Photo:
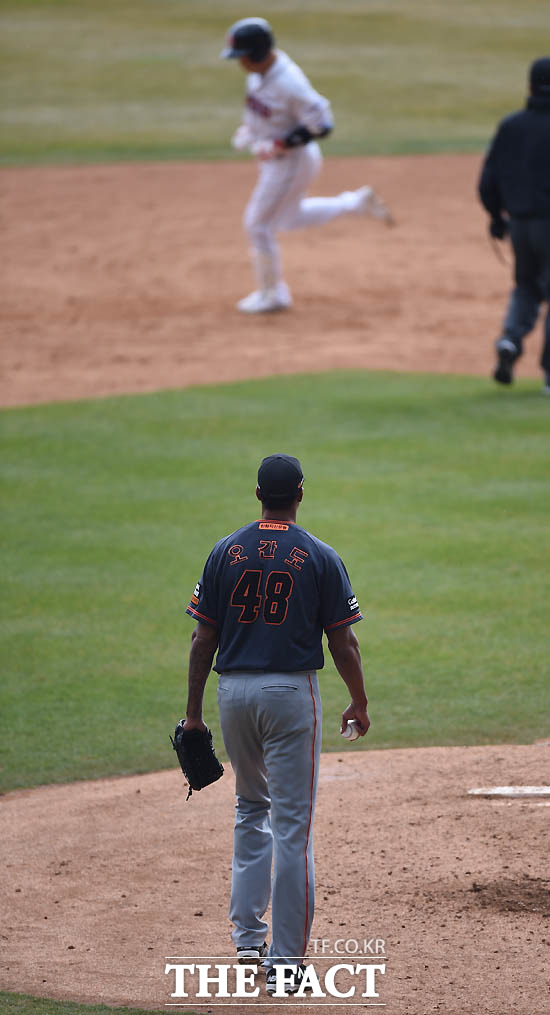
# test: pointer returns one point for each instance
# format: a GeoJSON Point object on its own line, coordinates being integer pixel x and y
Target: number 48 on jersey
{"type": "Point", "coordinates": [272, 600]}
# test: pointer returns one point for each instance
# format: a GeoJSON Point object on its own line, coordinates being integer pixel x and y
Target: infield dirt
{"type": "Point", "coordinates": [124, 279]}
{"type": "Point", "coordinates": [103, 880]}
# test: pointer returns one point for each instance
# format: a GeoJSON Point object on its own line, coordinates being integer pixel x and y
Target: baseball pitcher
{"type": "Point", "coordinates": [267, 593]}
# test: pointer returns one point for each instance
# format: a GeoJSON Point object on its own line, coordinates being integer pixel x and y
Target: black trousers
{"type": "Point", "coordinates": [531, 243]}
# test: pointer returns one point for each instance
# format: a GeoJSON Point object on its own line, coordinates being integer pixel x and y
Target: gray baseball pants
{"type": "Point", "coordinates": [271, 726]}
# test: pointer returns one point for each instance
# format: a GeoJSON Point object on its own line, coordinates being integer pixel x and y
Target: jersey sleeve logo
{"type": "Point", "coordinates": [353, 604]}
{"type": "Point", "coordinates": [192, 608]}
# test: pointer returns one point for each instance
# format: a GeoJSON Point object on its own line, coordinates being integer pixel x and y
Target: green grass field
{"type": "Point", "coordinates": [22, 1004]}
{"type": "Point", "coordinates": [434, 489]}
{"type": "Point", "coordinates": [143, 79]}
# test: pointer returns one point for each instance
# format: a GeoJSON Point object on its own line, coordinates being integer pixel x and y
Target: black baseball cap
{"type": "Point", "coordinates": [539, 76]}
{"type": "Point", "coordinates": [280, 477]}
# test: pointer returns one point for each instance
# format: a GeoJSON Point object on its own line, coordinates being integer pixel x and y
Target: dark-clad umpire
{"type": "Point", "coordinates": [514, 187]}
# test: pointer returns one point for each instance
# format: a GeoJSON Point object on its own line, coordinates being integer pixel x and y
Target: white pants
{"type": "Point", "coordinates": [278, 203]}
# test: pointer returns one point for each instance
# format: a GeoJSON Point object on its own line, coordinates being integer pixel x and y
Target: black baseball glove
{"type": "Point", "coordinates": [196, 756]}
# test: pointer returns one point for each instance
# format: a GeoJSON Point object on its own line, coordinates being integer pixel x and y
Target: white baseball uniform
{"type": "Point", "coordinates": [276, 103]}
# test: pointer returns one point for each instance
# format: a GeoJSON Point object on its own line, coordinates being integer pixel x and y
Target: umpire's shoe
{"type": "Point", "coordinates": [292, 982]}
{"type": "Point", "coordinates": [507, 355]}
{"type": "Point", "coordinates": [251, 953]}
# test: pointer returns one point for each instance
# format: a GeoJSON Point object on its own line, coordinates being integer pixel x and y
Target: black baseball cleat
{"type": "Point", "coordinates": [251, 953]}
{"type": "Point", "coordinates": [292, 982]}
{"type": "Point", "coordinates": [507, 355]}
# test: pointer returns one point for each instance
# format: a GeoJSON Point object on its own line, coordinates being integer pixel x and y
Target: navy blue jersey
{"type": "Point", "coordinates": [270, 590]}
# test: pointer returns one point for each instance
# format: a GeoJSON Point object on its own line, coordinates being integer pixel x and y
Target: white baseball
{"type": "Point", "coordinates": [351, 731]}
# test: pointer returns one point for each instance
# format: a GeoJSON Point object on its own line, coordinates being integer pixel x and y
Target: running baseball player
{"type": "Point", "coordinates": [283, 117]}
{"type": "Point", "coordinates": [267, 593]}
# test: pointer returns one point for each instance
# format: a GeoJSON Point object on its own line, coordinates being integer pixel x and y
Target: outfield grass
{"type": "Point", "coordinates": [23, 1004]}
{"type": "Point", "coordinates": [434, 489]}
{"type": "Point", "coordinates": [143, 79]}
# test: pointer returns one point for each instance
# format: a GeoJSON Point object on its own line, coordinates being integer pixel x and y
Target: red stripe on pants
{"type": "Point", "coordinates": [310, 812]}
